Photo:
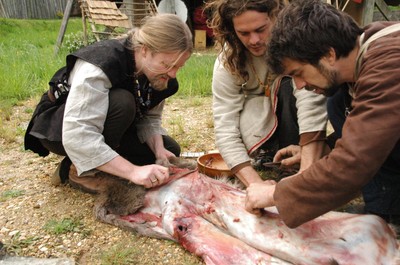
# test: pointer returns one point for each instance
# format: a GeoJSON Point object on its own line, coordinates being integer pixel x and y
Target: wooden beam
{"type": "Point", "coordinates": [63, 27]}
{"type": "Point", "coordinates": [385, 11]}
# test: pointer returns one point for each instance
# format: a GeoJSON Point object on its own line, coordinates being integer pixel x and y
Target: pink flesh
{"type": "Point", "coordinates": [207, 217]}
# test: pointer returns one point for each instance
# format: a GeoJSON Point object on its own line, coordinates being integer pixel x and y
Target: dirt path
{"type": "Point", "coordinates": [28, 203]}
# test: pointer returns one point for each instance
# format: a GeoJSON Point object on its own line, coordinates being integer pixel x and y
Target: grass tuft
{"type": "Point", "coordinates": [10, 194]}
{"type": "Point", "coordinates": [16, 244]}
{"type": "Point", "coordinates": [66, 225]}
{"type": "Point", "coordinates": [120, 254]}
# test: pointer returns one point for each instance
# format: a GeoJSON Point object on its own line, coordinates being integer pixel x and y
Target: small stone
{"type": "Point", "coordinates": [4, 230]}
{"type": "Point", "coordinates": [43, 249]}
{"type": "Point", "coordinates": [13, 233]}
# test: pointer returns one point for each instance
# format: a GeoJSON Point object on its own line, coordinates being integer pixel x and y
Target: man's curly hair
{"type": "Point", "coordinates": [221, 21]}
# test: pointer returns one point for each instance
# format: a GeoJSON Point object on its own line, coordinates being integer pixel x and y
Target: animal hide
{"type": "Point", "coordinates": [207, 217]}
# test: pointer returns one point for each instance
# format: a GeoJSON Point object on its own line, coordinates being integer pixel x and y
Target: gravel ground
{"type": "Point", "coordinates": [28, 202]}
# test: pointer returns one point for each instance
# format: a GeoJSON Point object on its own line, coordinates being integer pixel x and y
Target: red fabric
{"type": "Point", "coordinates": [200, 21]}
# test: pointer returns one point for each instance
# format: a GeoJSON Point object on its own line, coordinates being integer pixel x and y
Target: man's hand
{"type": "Point", "coordinates": [259, 196]}
{"type": "Point", "coordinates": [156, 144]}
{"type": "Point", "coordinates": [248, 175]}
{"type": "Point", "coordinates": [150, 175]}
{"type": "Point", "coordinates": [288, 156]}
{"type": "Point", "coordinates": [163, 154]}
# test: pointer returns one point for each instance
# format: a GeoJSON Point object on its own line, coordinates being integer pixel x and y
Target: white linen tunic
{"type": "Point", "coordinates": [244, 118]}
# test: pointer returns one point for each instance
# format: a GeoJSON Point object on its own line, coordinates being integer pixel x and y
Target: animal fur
{"type": "Point", "coordinates": [123, 197]}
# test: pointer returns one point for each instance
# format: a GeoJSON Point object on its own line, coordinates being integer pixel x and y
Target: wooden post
{"type": "Point", "coordinates": [63, 27]}
{"type": "Point", "coordinates": [367, 12]}
{"type": "Point", "coordinates": [85, 36]}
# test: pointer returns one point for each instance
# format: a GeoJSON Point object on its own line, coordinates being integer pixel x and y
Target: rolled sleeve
{"type": "Point", "coordinates": [85, 113]}
{"type": "Point", "coordinates": [311, 111]}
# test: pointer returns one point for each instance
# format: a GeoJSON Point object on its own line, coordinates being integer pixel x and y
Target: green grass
{"type": "Point", "coordinates": [10, 194]}
{"type": "Point", "coordinates": [120, 254]}
{"type": "Point", "coordinates": [196, 76]}
{"type": "Point", "coordinates": [27, 62]}
{"type": "Point", "coordinates": [66, 225]}
{"type": "Point", "coordinates": [16, 244]}
{"type": "Point", "coordinates": [27, 59]}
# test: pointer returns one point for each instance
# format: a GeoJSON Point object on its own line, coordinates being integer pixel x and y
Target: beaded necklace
{"type": "Point", "coordinates": [267, 80]}
{"type": "Point", "coordinates": [142, 106]}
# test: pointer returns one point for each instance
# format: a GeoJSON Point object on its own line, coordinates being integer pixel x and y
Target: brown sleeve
{"type": "Point", "coordinates": [236, 168]}
{"type": "Point", "coordinates": [308, 137]}
{"type": "Point", "coordinates": [370, 133]}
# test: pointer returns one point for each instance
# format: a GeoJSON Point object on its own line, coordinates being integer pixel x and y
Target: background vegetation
{"type": "Point", "coordinates": [27, 58]}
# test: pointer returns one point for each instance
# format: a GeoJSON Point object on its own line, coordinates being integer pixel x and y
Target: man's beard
{"type": "Point", "coordinates": [331, 76]}
{"type": "Point", "coordinates": [158, 83]}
